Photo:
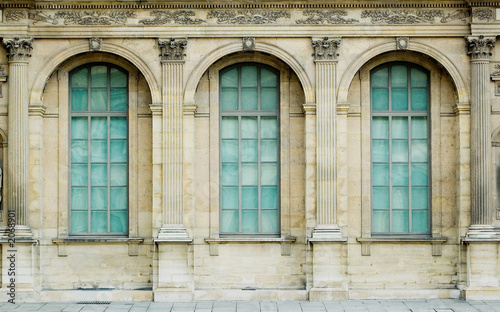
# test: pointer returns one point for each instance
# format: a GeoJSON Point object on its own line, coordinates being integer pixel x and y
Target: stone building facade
{"type": "Point", "coordinates": [226, 150]}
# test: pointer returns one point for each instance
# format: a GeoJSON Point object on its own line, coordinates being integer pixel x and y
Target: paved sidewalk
{"type": "Point", "coordinates": [432, 305]}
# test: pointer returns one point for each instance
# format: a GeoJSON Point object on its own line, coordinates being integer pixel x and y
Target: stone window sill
{"type": "Point", "coordinates": [133, 243]}
{"type": "Point", "coordinates": [286, 243]}
{"type": "Point", "coordinates": [436, 243]}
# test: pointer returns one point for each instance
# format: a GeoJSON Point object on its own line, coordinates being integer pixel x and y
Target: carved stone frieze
{"type": "Point", "coordinates": [39, 16]}
{"type": "Point", "coordinates": [95, 17]}
{"type": "Point", "coordinates": [181, 17]}
{"type": "Point", "coordinates": [95, 44]}
{"type": "Point", "coordinates": [248, 43]}
{"type": "Point", "coordinates": [482, 13]}
{"type": "Point", "coordinates": [480, 47]}
{"type": "Point", "coordinates": [326, 49]}
{"type": "Point", "coordinates": [496, 73]}
{"type": "Point", "coordinates": [402, 16]}
{"type": "Point", "coordinates": [3, 78]}
{"type": "Point", "coordinates": [317, 17]}
{"type": "Point", "coordinates": [461, 15]}
{"type": "Point", "coordinates": [19, 50]}
{"type": "Point", "coordinates": [402, 43]}
{"type": "Point", "coordinates": [14, 15]}
{"type": "Point", "coordinates": [247, 16]}
{"type": "Point", "coordinates": [172, 49]}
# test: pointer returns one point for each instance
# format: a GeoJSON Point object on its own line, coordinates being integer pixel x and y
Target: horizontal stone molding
{"type": "Point", "coordinates": [133, 243]}
{"type": "Point", "coordinates": [284, 241]}
{"type": "Point", "coordinates": [436, 243]}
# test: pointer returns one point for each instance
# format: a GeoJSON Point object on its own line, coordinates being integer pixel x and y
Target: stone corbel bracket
{"type": "Point", "coordinates": [62, 243]}
{"type": "Point", "coordinates": [286, 243]}
{"type": "Point", "coordinates": [436, 243]}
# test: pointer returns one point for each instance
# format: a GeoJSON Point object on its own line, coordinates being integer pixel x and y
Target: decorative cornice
{"type": "Point", "coordinates": [95, 44]}
{"type": "Point", "coordinates": [402, 16]}
{"type": "Point", "coordinates": [480, 47]}
{"type": "Point", "coordinates": [95, 17]}
{"type": "Point", "coordinates": [248, 43]}
{"type": "Point", "coordinates": [247, 16]}
{"type": "Point", "coordinates": [172, 50]}
{"type": "Point", "coordinates": [402, 42]}
{"type": "Point", "coordinates": [317, 17]}
{"type": "Point", "coordinates": [182, 17]}
{"type": "Point", "coordinates": [325, 50]}
{"type": "Point", "coordinates": [19, 50]}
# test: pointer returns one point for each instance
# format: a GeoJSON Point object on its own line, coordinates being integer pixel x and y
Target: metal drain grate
{"type": "Point", "coordinates": [94, 302]}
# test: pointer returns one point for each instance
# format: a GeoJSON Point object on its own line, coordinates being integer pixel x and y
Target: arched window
{"type": "Point", "coordinates": [99, 150]}
{"type": "Point", "coordinates": [400, 149]}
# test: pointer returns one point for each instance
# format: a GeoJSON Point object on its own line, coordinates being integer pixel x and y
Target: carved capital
{"type": "Point", "coordinates": [172, 49]}
{"type": "Point", "coordinates": [326, 50]}
{"type": "Point", "coordinates": [480, 47]}
{"type": "Point", "coordinates": [18, 50]}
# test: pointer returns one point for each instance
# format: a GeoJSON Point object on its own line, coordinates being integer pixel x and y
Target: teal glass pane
{"type": "Point", "coordinates": [268, 78]}
{"type": "Point", "coordinates": [268, 128]}
{"type": "Point", "coordinates": [118, 78]}
{"type": "Point", "coordinates": [380, 174]}
{"type": "Point", "coordinates": [249, 150]}
{"type": "Point", "coordinates": [118, 98]}
{"type": "Point", "coordinates": [229, 99]}
{"type": "Point", "coordinates": [419, 174]}
{"type": "Point", "coordinates": [418, 99]}
{"type": "Point", "coordinates": [229, 128]}
{"type": "Point", "coordinates": [118, 127]}
{"type": "Point", "coordinates": [230, 78]}
{"type": "Point", "coordinates": [400, 174]}
{"type": "Point", "coordinates": [268, 98]}
{"type": "Point", "coordinates": [400, 221]}
{"type": "Point", "coordinates": [269, 197]}
{"type": "Point", "coordinates": [118, 221]}
{"type": "Point", "coordinates": [381, 198]}
{"type": "Point", "coordinates": [79, 198]}
{"type": "Point", "coordinates": [380, 78]}
{"type": "Point", "coordinates": [230, 198]}
{"type": "Point", "coordinates": [99, 76]}
{"type": "Point", "coordinates": [268, 150]}
{"type": "Point", "coordinates": [249, 98]}
{"type": "Point", "coordinates": [419, 197]}
{"type": "Point", "coordinates": [118, 150]}
{"type": "Point", "coordinates": [99, 151]}
{"type": "Point", "coordinates": [419, 127]}
{"type": "Point", "coordinates": [400, 197]}
{"type": "Point", "coordinates": [79, 222]}
{"type": "Point", "coordinates": [380, 99]}
{"type": "Point", "coordinates": [79, 100]}
{"type": "Point", "coordinates": [98, 99]}
{"type": "Point", "coordinates": [418, 78]}
{"type": "Point", "coordinates": [249, 174]}
{"type": "Point", "coordinates": [399, 76]}
{"type": "Point", "coordinates": [98, 128]}
{"type": "Point", "coordinates": [249, 198]}
{"type": "Point", "coordinates": [229, 174]}
{"type": "Point", "coordinates": [99, 198]}
{"type": "Point", "coordinates": [380, 221]}
{"type": "Point", "coordinates": [249, 127]}
{"type": "Point", "coordinates": [230, 221]}
{"type": "Point", "coordinates": [229, 150]}
{"type": "Point", "coordinates": [249, 76]}
{"type": "Point", "coordinates": [79, 127]}
{"type": "Point", "coordinates": [99, 221]}
{"type": "Point", "coordinates": [79, 175]}
{"type": "Point", "coordinates": [380, 127]}
{"type": "Point", "coordinates": [98, 174]}
{"type": "Point", "coordinates": [79, 79]}
{"type": "Point", "coordinates": [399, 127]}
{"type": "Point", "coordinates": [419, 221]}
{"type": "Point", "coordinates": [399, 99]}
{"type": "Point", "coordinates": [419, 151]}
{"type": "Point", "coordinates": [269, 220]}
{"type": "Point", "coordinates": [79, 151]}
{"type": "Point", "coordinates": [118, 175]}
{"type": "Point", "coordinates": [269, 174]}
{"type": "Point", "coordinates": [399, 150]}
{"type": "Point", "coordinates": [380, 150]}
{"type": "Point", "coordinates": [118, 198]}
{"type": "Point", "coordinates": [249, 221]}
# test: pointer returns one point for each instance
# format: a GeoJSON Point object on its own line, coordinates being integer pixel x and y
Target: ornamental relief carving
{"type": "Point", "coordinates": [247, 16]}
{"type": "Point", "coordinates": [402, 16]}
{"type": "Point", "coordinates": [326, 49]}
{"type": "Point", "coordinates": [482, 14]}
{"type": "Point", "coordinates": [480, 47]}
{"type": "Point", "coordinates": [317, 17]}
{"type": "Point", "coordinates": [172, 50]}
{"type": "Point", "coordinates": [39, 16]}
{"type": "Point", "coordinates": [95, 17]}
{"type": "Point", "coordinates": [18, 50]}
{"type": "Point", "coordinates": [181, 17]}
{"type": "Point", "coordinates": [14, 15]}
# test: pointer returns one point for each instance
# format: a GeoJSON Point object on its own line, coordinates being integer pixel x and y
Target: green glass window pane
{"type": "Point", "coordinates": [249, 198]}
{"type": "Point", "coordinates": [79, 100]}
{"type": "Point", "coordinates": [418, 99]}
{"type": "Point", "coordinates": [399, 127]}
{"type": "Point", "coordinates": [381, 198]}
{"type": "Point", "coordinates": [268, 98]}
{"type": "Point", "coordinates": [249, 150]}
{"type": "Point", "coordinates": [230, 221]}
{"type": "Point", "coordinates": [229, 128]}
{"type": "Point", "coordinates": [268, 78]}
{"type": "Point", "coordinates": [99, 76]}
{"type": "Point", "coordinates": [249, 127]}
{"type": "Point", "coordinates": [419, 221]}
{"type": "Point", "coordinates": [118, 150]}
{"type": "Point", "coordinates": [118, 98]}
{"type": "Point", "coordinates": [418, 78]}
{"type": "Point", "coordinates": [270, 221]}
{"type": "Point", "coordinates": [229, 99]}
{"type": "Point", "coordinates": [229, 174]}
{"type": "Point", "coordinates": [380, 127]}
{"type": "Point", "coordinates": [269, 198]}
{"type": "Point", "coordinates": [79, 198]}
{"type": "Point", "coordinates": [79, 79]}
{"type": "Point", "coordinates": [99, 198]}
{"type": "Point", "coordinates": [118, 198]}
{"type": "Point", "coordinates": [380, 78]}
{"type": "Point", "coordinates": [229, 150]}
{"type": "Point", "coordinates": [118, 127]}
{"type": "Point", "coordinates": [79, 222]}
{"type": "Point", "coordinates": [118, 221]}
{"type": "Point", "coordinates": [249, 221]}
{"type": "Point", "coordinates": [400, 221]}
{"type": "Point", "coordinates": [98, 99]}
{"type": "Point", "coordinates": [419, 151]}
{"type": "Point", "coordinates": [399, 76]}
{"type": "Point", "coordinates": [380, 222]}
{"type": "Point", "coordinates": [269, 174]}
{"type": "Point", "coordinates": [380, 151]}
{"type": "Point", "coordinates": [380, 174]}
{"type": "Point", "coordinates": [79, 151]}
{"type": "Point", "coordinates": [399, 99]}
{"type": "Point", "coordinates": [98, 128]}
{"type": "Point", "coordinates": [419, 127]}
{"type": "Point", "coordinates": [99, 221]}
{"type": "Point", "coordinates": [268, 128]}
{"type": "Point", "coordinates": [230, 78]}
{"type": "Point", "coordinates": [268, 150]}
{"type": "Point", "coordinates": [249, 76]}
{"type": "Point", "coordinates": [249, 174]}
{"type": "Point", "coordinates": [400, 174]}
{"type": "Point", "coordinates": [99, 151]}
{"type": "Point", "coordinates": [79, 175]}
{"type": "Point", "coordinates": [419, 174]}
{"type": "Point", "coordinates": [79, 128]}
{"type": "Point", "coordinates": [99, 175]}
{"type": "Point", "coordinates": [400, 197]}
{"type": "Point", "coordinates": [118, 175]}
{"type": "Point", "coordinates": [230, 198]}
{"type": "Point", "coordinates": [400, 150]}
{"type": "Point", "coordinates": [249, 99]}
{"type": "Point", "coordinates": [118, 78]}
{"type": "Point", "coordinates": [380, 99]}
{"type": "Point", "coordinates": [419, 197]}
